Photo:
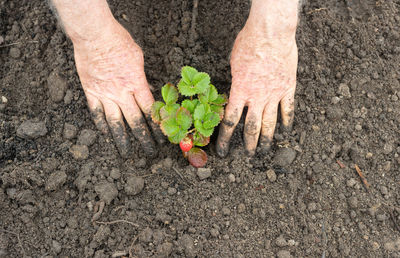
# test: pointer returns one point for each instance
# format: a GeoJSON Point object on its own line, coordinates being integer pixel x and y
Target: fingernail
{"type": "Point", "coordinates": [222, 150]}
{"type": "Point", "coordinates": [249, 153]}
{"type": "Point", "coordinates": [265, 144]}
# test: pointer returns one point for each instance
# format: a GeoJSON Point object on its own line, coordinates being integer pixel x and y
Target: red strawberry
{"type": "Point", "coordinates": [186, 144]}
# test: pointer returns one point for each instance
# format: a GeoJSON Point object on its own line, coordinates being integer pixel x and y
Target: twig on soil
{"type": "Point", "coordinates": [316, 10]}
{"type": "Point", "coordinates": [98, 208]}
{"type": "Point", "coordinates": [393, 218]}
{"type": "Point", "coordinates": [131, 246]}
{"type": "Point", "coordinates": [115, 222]}
{"type": "Point", "coordinates": [18, 238]}
{"type": "Point", "coordinates": [324, 239]}
{"type": "Point", "coordinates": [119, 254]}
{"type": "Point", "coordinates": [340, 164]}
{"type": "Point", "coordinates": [363, 179]}
{"type": "Point", "coordinates": [18, 43]}
{"type": "Point", "coordinates": [180, 175]}
{"type": "Point", "coordinates": [194, 17]}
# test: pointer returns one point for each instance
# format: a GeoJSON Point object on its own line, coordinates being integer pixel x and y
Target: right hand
{"type": "Point", "coordinates": [111, 70]}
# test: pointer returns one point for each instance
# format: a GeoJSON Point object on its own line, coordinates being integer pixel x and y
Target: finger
{"type": "Point", "coordinates": [145, 99]}
{"type": "Point", "coordinates": [268, 127]}
{"type": "Point", "coordinates": [233, 112]}
{"type": "Point", "coordinates": [252, 128]}
{"type": "Point", "coordinates": [117, 127]}
{"type": "Point", "coordinates": [138, 125]}
{"type": "Point", "coordinates": [287, 111]}
{"type": "Point", "coordinates": [97, 113]}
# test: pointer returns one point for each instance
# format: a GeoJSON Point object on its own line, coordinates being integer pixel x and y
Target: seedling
{"type": "Point", "coordinates": [191, 122]}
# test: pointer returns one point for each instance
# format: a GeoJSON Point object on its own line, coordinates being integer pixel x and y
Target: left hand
{"type": "Point", "coordinates": [263, 76]}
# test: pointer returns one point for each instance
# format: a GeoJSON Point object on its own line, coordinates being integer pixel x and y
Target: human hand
{"type": "Point", "coordinates": [263, 76]}
{"type": "Point", "coordinates": [111, 71]}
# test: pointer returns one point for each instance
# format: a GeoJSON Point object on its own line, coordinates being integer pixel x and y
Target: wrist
{"type": "Point", "coordinates": [273, 20]}
{"type": "Point", "coordinates": [86, 21]}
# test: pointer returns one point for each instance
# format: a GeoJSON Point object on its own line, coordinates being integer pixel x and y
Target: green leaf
{"type": "Point", "coordinates": [155, 111]}
{"type": "Point", "coordinates": [199, 112]}
{"type": "Point", "coordinates": [168, 111]}
{"type": "Point", "coordinates": [222, 99]}
{"type": "Point", "coordinates": [170, 127]}
{"type": "Point", "coordinates": [188, 73]}
{"type": "Point", "coordinates": [186, 89]}
{"type": "Point", "coordinates": [190, 104]}
{"type": "Point", "coordinates": [200, 140]}
{"type": "Point", "coordinates": [169, 94]}
{"type": "Point", "coordinates": [209, 95]}
{"type": "Point", "coordinates": [178, 137]}
{"type": "Point", "coordinates": [218, 109]}
{"type": "Point", "coordinates": [201, 81]}
{"type": "Point", "coordinates": [205, 132]}
{"type": "Point", "coordinates": [184, 118]}
{"type": "Point", "coordinates": [211, 120]}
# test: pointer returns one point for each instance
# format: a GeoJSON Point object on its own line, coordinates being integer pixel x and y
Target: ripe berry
{"type": "Point", "coordinates": [186, 144]}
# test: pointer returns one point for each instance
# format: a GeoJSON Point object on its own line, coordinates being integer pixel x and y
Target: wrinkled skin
{"type": "Point", "coordinates": [263, 76]}
{"type": "Point", "coordinates": [111, 70]}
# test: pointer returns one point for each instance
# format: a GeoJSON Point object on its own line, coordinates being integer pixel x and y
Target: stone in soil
{"type": "Point", "coordinates": [134, 185]}
{"type": "Point", "coordinates": [56, 180]}
{"type": "Point", "coordinates": [284, 254]}
{"type": "Point", "coordinates": [344, 90]}
{"type": "Point", "coordinates": [57, 86]}
{"type": "Point", "coordinates": [203, 173]}
{"type": "Point", "coordinates": [56, 246]}
{"type": "Point", "coordinates": [15, 52]}
{"type": "Point", "coordinates": [187, 243]}
{"type": "Point", "coordinates": [231, 178]}
{"type": "Point", "coordinates": [284, 157]}
{"type": "Point", "coordinates": [271, 175]}
{"type": "Point", "coordinates": [106, 191]}
{"type": "Point", "coordinates": [146, 235]}
{"type": "Point", "coordinates": [164, 250]}
{"type": "Point", "coordinates": [79, 152]}
{"type": "Point", "coordinates": [86, 137]}
{"type": "Point", "coordinates": [281, 241]}
{"type": "Point", "coordinates": [115, 173]}
{"type": "Point", "coordinates": [31, 130]}
{"type": "Point", "coordinates": [70, 131]}
{"type": "Point", "coordinates": [392, 246]}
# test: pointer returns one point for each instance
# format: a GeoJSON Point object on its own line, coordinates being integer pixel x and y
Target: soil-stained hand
{"type": "Point", "coordinates": [263, 76]}
{"type": "Point", "coordinates": [111, 70]}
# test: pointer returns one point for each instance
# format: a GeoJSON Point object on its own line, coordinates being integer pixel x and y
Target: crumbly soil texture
{"type": "Point", "coordinates": [66, 192]}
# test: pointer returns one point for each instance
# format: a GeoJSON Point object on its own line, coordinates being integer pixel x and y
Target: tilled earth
{"type": "Point", "coordinates": [65, 191]}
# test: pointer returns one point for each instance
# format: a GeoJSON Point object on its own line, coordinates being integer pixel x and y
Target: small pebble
{"type": "Point", "coordinates": [284, 254]}
{"type": "Point", "coordinates": [86, 137]}
{"type": "Point", "coordinates": [106, 191]}
{"type": "Point", "coordinates": [171, 191]}
{"type": "Point", "coordinates": [312, 206]}
{"type": "Point", "coordinates": [31, 130]}
{"type": "Point", "coordinates": [15, 52]}
{"type": "Point", "coordinates": [203, 173]}
{"type": "Point", "coordinates": [56, 247]}
{"type": "Point", "coordinates": [70, 131]}
{"type": "Point", "coordinates": [344, 90]}
{"type": "Point", "coordinates": [231, 178]}
{"type": "Point", "coordinates": [56, 180]}
{"type": "Point", "coordinates": [353, 202]}
{"type": "Point", "coordinates": [226, 211]}
{"type": "Point", "coordinates": [241, 208]}
{"type": "Point", "coordinates": [79, 152]}
{"type": "Point", "coordinates": [351, 182]}
{"type": "Point", "coordinates": [384, 190]}
{"type": "Point", "coordinates": [271, 175]}
{"type": "Point", "coordinates": [115, 173]}
{"type": "Point", "coordinates": [280, 241]}
{"type": "Point", "coordinates": [57, 85]}
{"type": "Point", "coordinates": [381, 217]}
{"type": "Point", "coordinates": [214, 232]}
{"type": "Point", "coordinates": [358, 127]}
{"type": "Point", "coordinates": [134, 185]}
{"type": "Point", "coordinates": [284, 157]}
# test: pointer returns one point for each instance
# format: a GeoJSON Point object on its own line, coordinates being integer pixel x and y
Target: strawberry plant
{"type": "Point", "coordinates": [191, 122]}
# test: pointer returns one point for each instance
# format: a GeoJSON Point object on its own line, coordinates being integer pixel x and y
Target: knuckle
{"type": "Point", "coordinates": [266, 123]}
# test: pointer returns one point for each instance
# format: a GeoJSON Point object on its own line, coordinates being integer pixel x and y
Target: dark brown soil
{"type": "Point", "coordinates": [347, 112]}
